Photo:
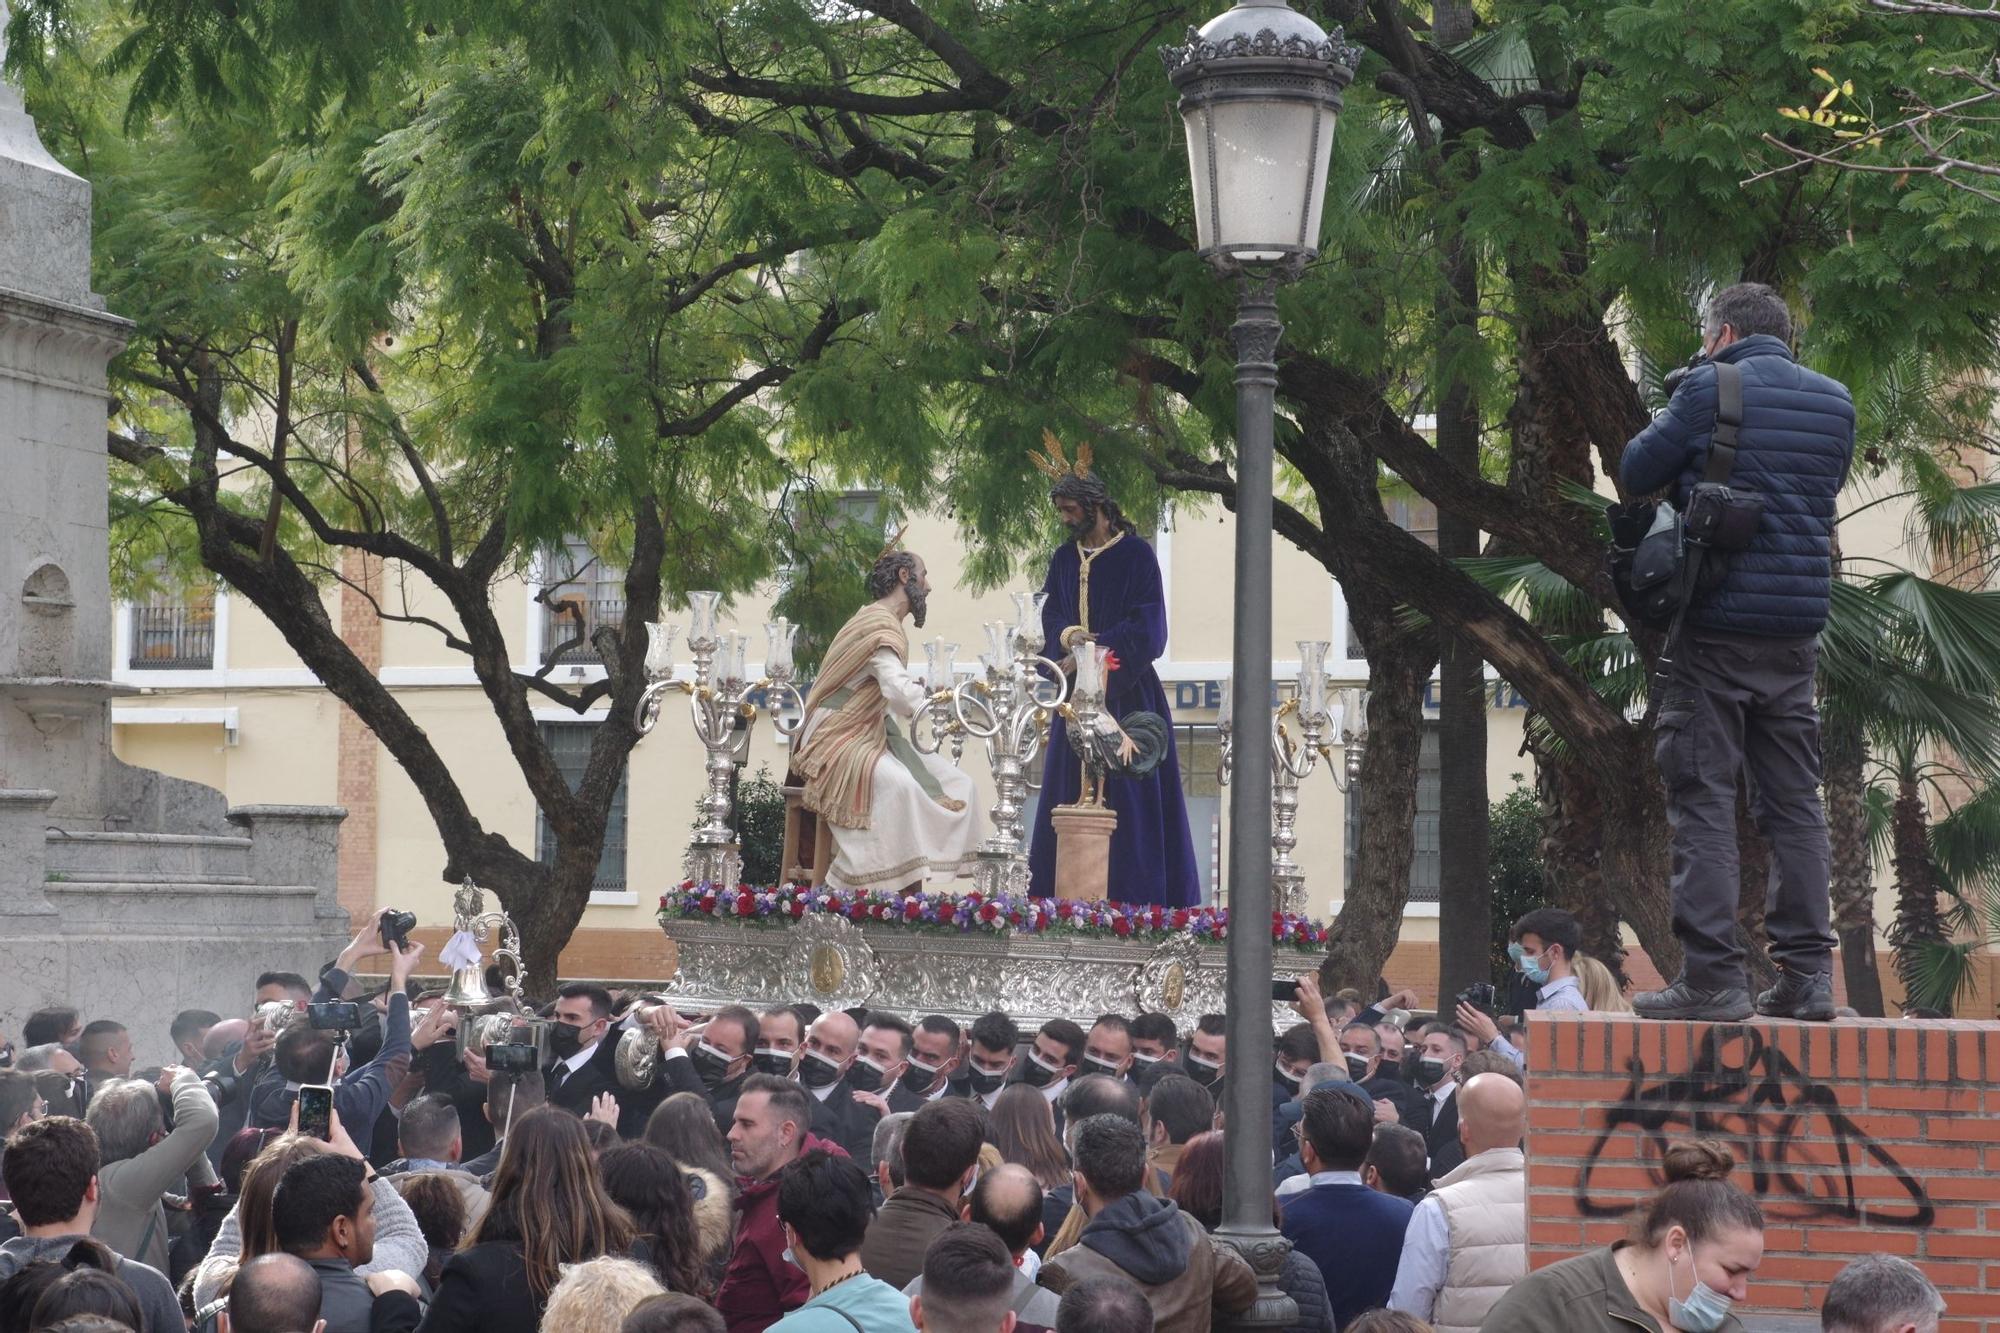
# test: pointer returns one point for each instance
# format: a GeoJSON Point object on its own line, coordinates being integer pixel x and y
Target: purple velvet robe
{"type": "Point", "coordinates": [1152, 850]}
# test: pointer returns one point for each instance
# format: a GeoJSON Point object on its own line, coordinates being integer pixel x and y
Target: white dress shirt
{"type": "Point", "coordinates": [1296, 1185]}
{"type": "Point", "coordinates": [1426, 1250]}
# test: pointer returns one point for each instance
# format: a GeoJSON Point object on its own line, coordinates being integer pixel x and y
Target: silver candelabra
{"type": "Point", "coordinates": [1292, 762]}
{"type": "Point", "coordinates": [1008, 707]}
{"type": "Point", "coordinates": [721, 701]}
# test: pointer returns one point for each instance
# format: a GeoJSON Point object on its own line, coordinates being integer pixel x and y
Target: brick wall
{"type": "Point", "coordinates": [1857, 1137]}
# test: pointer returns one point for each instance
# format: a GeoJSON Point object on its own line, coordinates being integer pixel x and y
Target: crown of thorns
{"type": "Point", "coordinates": [1054, 465]}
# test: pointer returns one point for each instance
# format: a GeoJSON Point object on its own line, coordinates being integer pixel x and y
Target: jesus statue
{"type": "Point", "coordinates": [1104, 586]}
{"type": "Point", "coordinates": [897, 816]}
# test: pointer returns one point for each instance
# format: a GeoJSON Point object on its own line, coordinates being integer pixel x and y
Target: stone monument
{"type": "Point", "coordinates": [123, 892]}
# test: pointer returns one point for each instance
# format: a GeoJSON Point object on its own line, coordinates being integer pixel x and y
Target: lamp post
{"type": "Point", "coordinates": [1259, 94]}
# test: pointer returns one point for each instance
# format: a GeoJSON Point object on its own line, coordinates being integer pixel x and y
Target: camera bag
{"type": "Point", "coordinates": [1661, 560]}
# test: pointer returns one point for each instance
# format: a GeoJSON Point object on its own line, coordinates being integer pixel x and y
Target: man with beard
{"type": "Point", "coordinates": [1104, 587]}
{"type": "Point", "coordinates": [897, 816]}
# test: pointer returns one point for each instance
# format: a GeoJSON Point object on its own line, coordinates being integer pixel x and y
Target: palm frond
{"type": "Point", "coordinates": [1938, 974]}
{"type": "Point", "coordinates": [1548, 594]}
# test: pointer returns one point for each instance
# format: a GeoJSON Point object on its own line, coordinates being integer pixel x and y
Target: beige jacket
{"type": "Point", "coordinates": [1485, 1203]}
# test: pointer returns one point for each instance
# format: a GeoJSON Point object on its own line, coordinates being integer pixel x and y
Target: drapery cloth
{"type": "Point", "coordinates": [897, 815]}
{"type": "Point", "coordinates": [1152, 849]}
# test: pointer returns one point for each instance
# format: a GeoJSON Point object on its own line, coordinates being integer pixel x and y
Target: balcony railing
{"type": "Point", "coordinates": [559, 625]}
{"type": "Point", "coordinates": [173, 637]}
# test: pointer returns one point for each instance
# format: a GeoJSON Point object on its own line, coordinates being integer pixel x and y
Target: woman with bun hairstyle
{"type": "Point", "coordinates": [1689, 1261]}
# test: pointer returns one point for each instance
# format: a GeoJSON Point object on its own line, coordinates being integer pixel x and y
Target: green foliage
{"type": "Point", "coordinates": [1515, 871]}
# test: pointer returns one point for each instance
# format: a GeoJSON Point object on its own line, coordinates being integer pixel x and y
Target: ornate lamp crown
{"type": "Point", "coordinates": [1055, 464]}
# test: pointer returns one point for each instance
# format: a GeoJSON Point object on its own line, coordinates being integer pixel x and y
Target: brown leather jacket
{"type": "Point", "coordinates": [1186, 1276]}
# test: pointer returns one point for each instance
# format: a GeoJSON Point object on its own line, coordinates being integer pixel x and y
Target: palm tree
{"type": "Point", "coordinates": [1911, 667]}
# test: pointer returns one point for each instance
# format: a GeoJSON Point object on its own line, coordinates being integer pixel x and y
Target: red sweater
{"type": "Point", "coordinates": [759, 1287]}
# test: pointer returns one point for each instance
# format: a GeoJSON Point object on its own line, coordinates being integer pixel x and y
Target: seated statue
{"type": "Point", "coordinates": [898, 817]}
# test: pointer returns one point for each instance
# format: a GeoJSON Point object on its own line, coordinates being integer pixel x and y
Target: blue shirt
{"type": "Point", "coordinates": [874, 1305]}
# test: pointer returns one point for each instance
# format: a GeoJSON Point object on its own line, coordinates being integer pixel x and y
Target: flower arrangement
{"type": "Point", "coordinates": [958, 913]}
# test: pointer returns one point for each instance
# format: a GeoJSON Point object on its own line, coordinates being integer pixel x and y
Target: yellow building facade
{"type": "Point", "coordinates": [222, 700]}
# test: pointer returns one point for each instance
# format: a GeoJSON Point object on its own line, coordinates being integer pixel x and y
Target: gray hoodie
{"type": "Point", "coordinates": [155, 1293]}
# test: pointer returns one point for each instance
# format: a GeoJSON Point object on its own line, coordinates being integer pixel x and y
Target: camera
{"type": "Point", "coordinates": [1481, 996]}
{"type": "Point", "coordinates": [511, 1058]}
{"type": "Point", "coordinates": [334, 1015]}
{"type": "Point", "coordinates": [395, 929]}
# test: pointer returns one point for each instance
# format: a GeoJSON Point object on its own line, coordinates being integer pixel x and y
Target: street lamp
{"type": "Point", "coordinates": [1260, 91]}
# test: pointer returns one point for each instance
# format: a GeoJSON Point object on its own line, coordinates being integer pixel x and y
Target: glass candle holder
{"type": "Point", "coordinates": [1312, 678]}
{"type": "Point", "coordinates": [701, 616]}
{"type": "Point", "coordinates": [660, 638]}
{"type": "Point", "coordinates": [780, 635]}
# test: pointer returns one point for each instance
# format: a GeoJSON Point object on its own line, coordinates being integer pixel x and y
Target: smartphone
{"type": "Point", "coordinates": [1285, 990]}
{"type": "Point", "coordinates": [510, 1058]}
{"type": "Point", "coordinates": [316, 1110]}
{"type": "Point", "coordinates": [334, 1015]}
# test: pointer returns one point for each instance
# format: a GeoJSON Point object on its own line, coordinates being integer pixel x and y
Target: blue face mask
{"type": "Point", "coordinates": [1514, 954]}
{"type": "Point", "coordinates": [1535, 969]}
{"type": "Point", "coordinates": [1704, 1310]}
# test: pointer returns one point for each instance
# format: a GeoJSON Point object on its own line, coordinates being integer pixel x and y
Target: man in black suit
{"type": "Point", "coordinates": [840, 1113]}
{"type": "Point", "coordinates": [1439, 1057]}
{"type": "Point", "coordinates": [584, 1066]}
{"type": "Point", "coordinates": [935, 1051]}
{"type": "Point", "coordinates": [1396, 1102]}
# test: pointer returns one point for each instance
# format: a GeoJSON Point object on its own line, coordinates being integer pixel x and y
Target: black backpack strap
{"type": "Point", "coordinates": [1721, 462]}
{"type": "Point", "coordinates": [1728, 416]}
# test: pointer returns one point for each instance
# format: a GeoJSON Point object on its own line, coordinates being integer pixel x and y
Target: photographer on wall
{"type": "Point", "coordinates": [1742, 650]}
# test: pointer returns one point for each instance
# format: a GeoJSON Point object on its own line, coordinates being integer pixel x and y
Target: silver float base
{"type": "Point", "coordinates": [837, 964]}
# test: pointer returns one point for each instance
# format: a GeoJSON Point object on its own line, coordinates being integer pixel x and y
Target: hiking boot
{"type": "Point", "coordinates": [1806, 996]}
{"type": "Point", "coordinates": [1683, 999]}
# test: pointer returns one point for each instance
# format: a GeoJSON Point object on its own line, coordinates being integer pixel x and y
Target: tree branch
{"type": "Point", "coordinates": [411, 456]}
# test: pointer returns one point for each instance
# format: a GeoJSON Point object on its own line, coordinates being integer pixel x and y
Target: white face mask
{"type": "Point", "coordinates": [1705, 1308]}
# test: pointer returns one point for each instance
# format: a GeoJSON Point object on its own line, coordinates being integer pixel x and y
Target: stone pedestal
{"type": "Point", "coordinates": [24, 859]}
{"type": "Point", "coordinates": [123, 892]}
{"type": "Point", "coordinates": [1083, 850]}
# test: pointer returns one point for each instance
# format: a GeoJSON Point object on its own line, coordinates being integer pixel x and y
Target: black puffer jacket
{"type": "Point", "coordinates": [1793, 448]}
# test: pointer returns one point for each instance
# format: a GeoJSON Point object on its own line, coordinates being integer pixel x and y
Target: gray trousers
{"type": "Point", "coordinates": [1742, 704]}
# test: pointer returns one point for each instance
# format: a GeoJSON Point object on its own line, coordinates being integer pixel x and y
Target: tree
{"type": "Point", "coordinates": [408, 314]}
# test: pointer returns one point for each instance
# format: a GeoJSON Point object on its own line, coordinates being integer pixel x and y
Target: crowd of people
{"type": "Point", "coordinates": [821, 1172]}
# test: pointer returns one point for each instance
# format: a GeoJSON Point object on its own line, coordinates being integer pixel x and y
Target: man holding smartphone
{"type": "Point", "coordinates": [309, 1056]}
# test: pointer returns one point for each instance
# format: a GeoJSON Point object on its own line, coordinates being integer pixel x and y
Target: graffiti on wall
{"type": "Point", "coordinates": [1804, 1158]}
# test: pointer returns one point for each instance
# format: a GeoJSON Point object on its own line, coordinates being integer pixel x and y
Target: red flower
{"type": "Point", "coordinates": [1159, 916]}
{"type": "Point", "coordinates": [1065, 909]}
{"type": "Point", "coordinates": [881, 911]}
{"type": "Point", "coordinates": [989, 913]}
{"type": "Point", "coordinates": [746, 905]}
{"type": "Point", "coordinates": [1014, 917]}
{"type": "Point", "coordinates": [798, 908]}
{"type": "Point", "coordinates": [1121, 926]}
{"type": "Point", "coordinates": [1180, 918]}
{"type": "Point", "coordinates": [973, 900]}
{"type": "Point", "coordinates": [708, 903]}
{"type": "Point", "coordinates": [912, 909]}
